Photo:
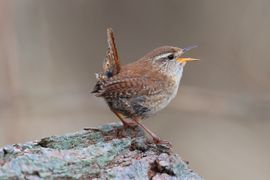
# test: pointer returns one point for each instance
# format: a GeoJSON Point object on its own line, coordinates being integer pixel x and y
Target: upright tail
{"type": "Point", "coordinates": [111, 64]}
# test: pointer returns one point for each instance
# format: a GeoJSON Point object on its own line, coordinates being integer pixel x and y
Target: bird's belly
{"type": "Point", "coordinates": [159, 101]}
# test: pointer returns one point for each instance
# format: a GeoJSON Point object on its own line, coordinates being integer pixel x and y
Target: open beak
{"type": "Point", "coordinates": [184, 59]}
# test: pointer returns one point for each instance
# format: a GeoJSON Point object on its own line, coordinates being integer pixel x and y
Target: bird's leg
{"type": "Point", "coordinates": [125, 122]}
{"type": "Point", "coordinates": [156, 139]}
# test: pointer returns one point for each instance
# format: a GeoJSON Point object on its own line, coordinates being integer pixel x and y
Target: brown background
{"type": "Point", "coordinates": [220, 120]}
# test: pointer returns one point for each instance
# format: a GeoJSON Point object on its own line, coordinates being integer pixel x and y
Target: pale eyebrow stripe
{"type": "Point", "coordinates": [163, 55]}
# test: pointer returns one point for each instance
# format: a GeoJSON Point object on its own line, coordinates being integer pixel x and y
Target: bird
{"type": "Point", "coordinates": [139, 90]}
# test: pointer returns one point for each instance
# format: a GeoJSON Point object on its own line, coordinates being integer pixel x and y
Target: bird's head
{"type": "Point", "coordinates": [169, 59]}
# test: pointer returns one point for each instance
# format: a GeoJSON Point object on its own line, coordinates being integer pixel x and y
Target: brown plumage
{"type": "Point", "coordinates": [142, 88]}
{"type": "Point", "coordinates": [111, 63]}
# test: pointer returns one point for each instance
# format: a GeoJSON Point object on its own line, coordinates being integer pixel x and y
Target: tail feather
{"type": "Point", "coordinates": [111, 64]}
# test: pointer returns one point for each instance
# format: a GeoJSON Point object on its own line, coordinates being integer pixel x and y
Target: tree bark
{"type": "Point", "coordinates": [107, 152]}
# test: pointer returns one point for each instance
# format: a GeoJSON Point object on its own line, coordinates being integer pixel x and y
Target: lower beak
{"type": "Point", "coordinates": [183, 59]}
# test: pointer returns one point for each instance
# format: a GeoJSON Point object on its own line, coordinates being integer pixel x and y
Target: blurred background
{"type": "Point", "coordinates": [220, 120]}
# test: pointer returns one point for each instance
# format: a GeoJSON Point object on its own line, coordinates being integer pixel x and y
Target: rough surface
{"type": "Point", "coordinates": [106, 152]}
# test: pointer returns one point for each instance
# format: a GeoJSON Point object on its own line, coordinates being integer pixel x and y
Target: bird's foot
{"type": "Point", "coordinates": [159, 141]}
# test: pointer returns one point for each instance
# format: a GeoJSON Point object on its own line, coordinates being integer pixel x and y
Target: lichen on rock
{"type": "Point", "coordinates": [107, 152]}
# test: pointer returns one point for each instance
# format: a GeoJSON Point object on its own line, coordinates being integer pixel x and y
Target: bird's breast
{"type": "Point", "coordinates": [158, 101]}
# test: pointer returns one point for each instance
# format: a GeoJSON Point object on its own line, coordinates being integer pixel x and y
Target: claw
{"type": "Point", "coordinates": [159, 141]}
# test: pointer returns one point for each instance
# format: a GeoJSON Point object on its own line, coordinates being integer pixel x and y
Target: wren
{"type": "Point", "coordinates": [140, 89]}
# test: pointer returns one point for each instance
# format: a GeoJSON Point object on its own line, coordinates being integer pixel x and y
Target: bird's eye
{"type": "Point", "coordinates": [170, 57]}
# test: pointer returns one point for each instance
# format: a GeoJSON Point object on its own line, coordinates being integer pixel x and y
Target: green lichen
{"type": "Point", "coordinates": [109, 152]}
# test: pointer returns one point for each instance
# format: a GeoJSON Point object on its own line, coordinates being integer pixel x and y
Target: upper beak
{"type": "Point", "coordinates": [189, 48]}
{"type": "Point", "coordinates": [183, 59]}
